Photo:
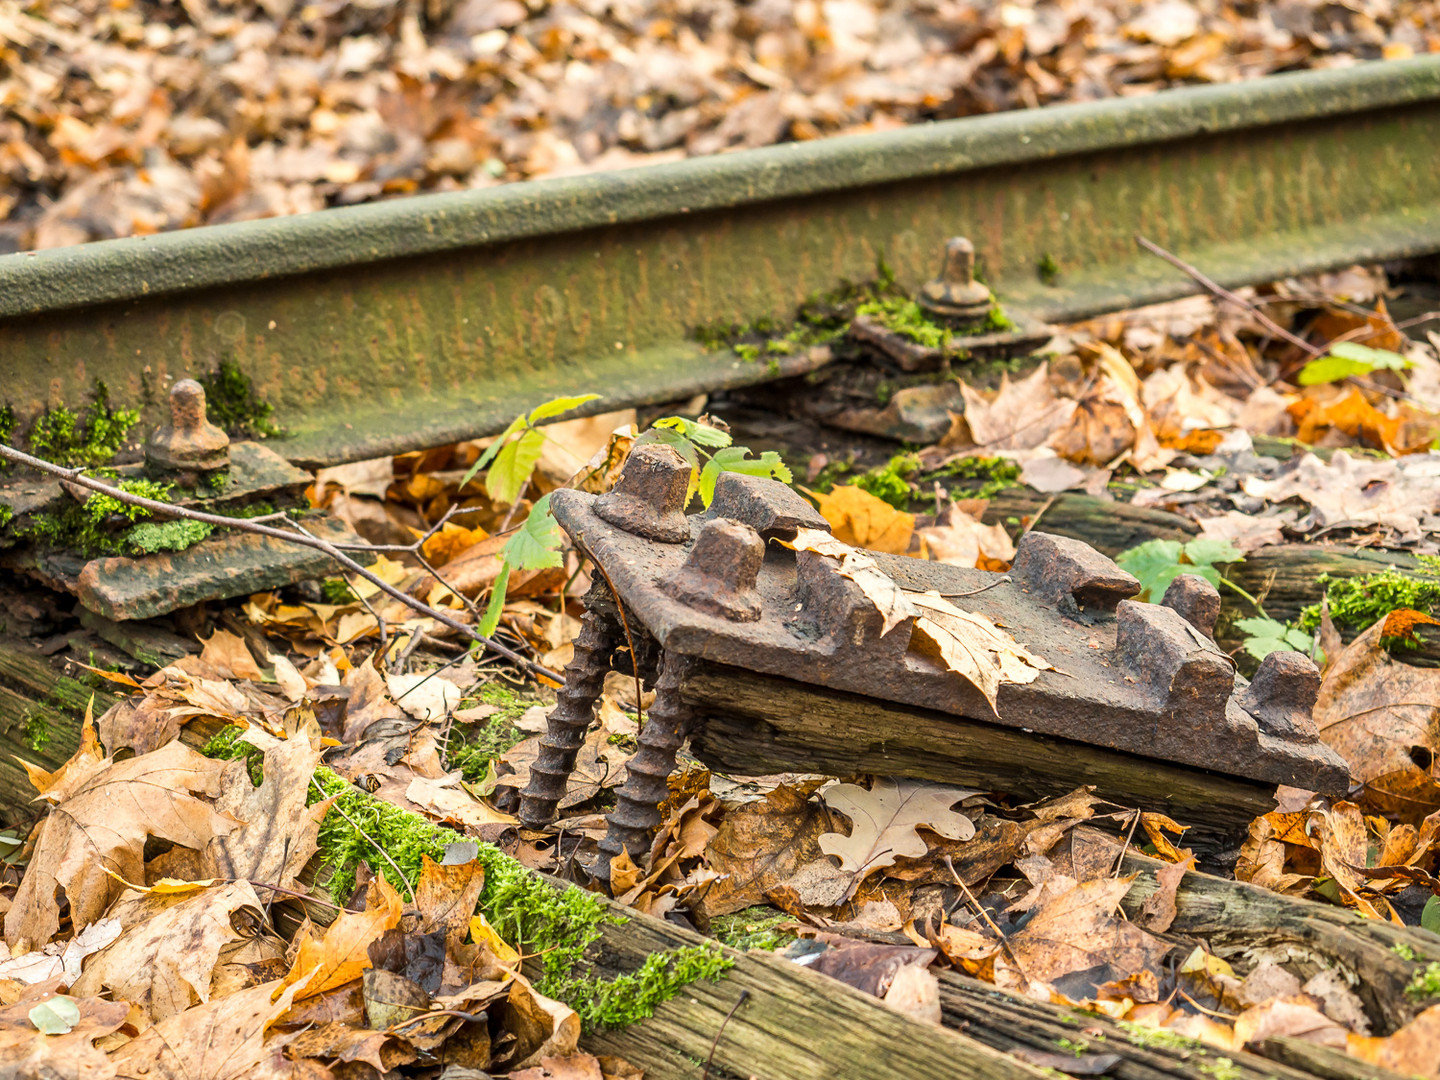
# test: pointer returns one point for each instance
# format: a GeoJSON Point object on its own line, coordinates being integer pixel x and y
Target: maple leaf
{"type": "Point", "coordinates": [1021, 416]}
{"type": "Point", "coordinates": [1076, 929]}
{"type": "Point", "coordinates": [340, 954]}
{"type": "Point", "coordinates": [223, 1039]}
{"type": "Point", "coordinates": [884, 820]}
{"type": "Point", "coordinates": [972, 646]}
{"type": "Point", "coordinates": [280, 829]}
{"type": "Point", "coordinates": [165, 963]}
{"type": "Point", "coordinates": [27, 1052]}
{"type": "Point", "coordinates": [103, 826]}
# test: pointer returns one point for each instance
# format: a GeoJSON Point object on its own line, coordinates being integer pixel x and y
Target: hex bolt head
{"type": "Point", "coordinates": [955, 295]}
{"type": "Point", "coordinates": [649, 498]}
{"type": "Point", "coordinates": [720, 572]}
{"type": "Point", "coordinates": [189, 443]}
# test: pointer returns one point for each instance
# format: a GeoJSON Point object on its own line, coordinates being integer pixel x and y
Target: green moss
{"type": "Point", "coordinates": [1357, 603]}
{"type": "Point", "coordinates": [8, 423]}
{"type": "Point", "coordinates": [100, 524]}
{"type": "Point", "coordinates": [1078, 1047]}
{"type": "Point", "coordinates": [227, 745]}
{"type": "Point", "coordinates": [1156, 1038]}
{"type": "Point", "coordinates": [906, 318]}
{"type": "Point", "coordinates": [1222, 1068]}
{"type": "Point", "coordinates": [472, 755]}
{"type": "Point", "coordinates": [65, 438]}
{"type": "Point", "coordinates": [627, 999]}
{"type": "Point", "coordinates": [337, 591]}
{"type": "Point", "coordinates": [753, 928]}
{"type": "Point", "coordinates": [7, 515]}
{"type": "Point", "coordinates": [890, 481]}
{"type": "Point", "coordinates": [1426, 982]}
{"type": "Point", "coordinates": [37, 730]}
{"type": "Point", "coordinates": [232, 403]}
{"type": "Point", "coordinates": [979, 477]}
{"type": "Point", "coordinates": [1048, 270]}
{"type": "Point", "coordinates": [149, 537]}
{"type": "Point", "coordinates": [1405, 952]}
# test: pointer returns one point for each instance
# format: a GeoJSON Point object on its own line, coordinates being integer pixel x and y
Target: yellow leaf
{"type": "Point", "coordinates": [972, 646]}
{"type": "Point", "coordinates": [165, 886]}
{"type": "Point", "coordinates": [859, 518]}
{"type": "Point", "coordinates": [482, 933]}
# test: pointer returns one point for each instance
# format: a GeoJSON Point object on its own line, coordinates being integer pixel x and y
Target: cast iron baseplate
{"type": "Point", "coordinates": [1133, 677]}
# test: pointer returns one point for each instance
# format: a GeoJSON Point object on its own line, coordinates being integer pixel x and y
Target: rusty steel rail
{"type": "Point", "coordinates": [397, 325]}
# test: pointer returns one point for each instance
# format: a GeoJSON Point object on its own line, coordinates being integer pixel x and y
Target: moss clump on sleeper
{"type": "Point", "coordinates": [37, 730]}
{"type": "Point", "coordinates": [890, 482]}
{"type": "Point", "coordinates": [65, 438]}
{"type": "Point", "coordinates": [556, 925]}
{"type": "Point", "coordinates": [227, 745]}
{"type": "Point", "coordinates": [98, 526]}
{"type": "Point", "coordinates": [1048, 270]}
{"type": "Point", "coordinates": [1357, 603]}
{"type": "Point", "coordinates": [1156, 1038]}
{"type": "Point", "coordinates": [753, 928]}
{"type": "Point", "coordinates": [1426, 982]}
{"type": "Point", "coordinates": [628, 999]}
{"type": "Point", "coordinates": [149, 537]}
{"type": "Point", "coordinates": [980, 477]}
{"type": "Point", "coordinates": [232, 403]}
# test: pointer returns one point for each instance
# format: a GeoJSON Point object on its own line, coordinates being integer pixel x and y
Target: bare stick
{"type": "Point", "coordinates": [304, 539]}
{"type": "Point", "coordinates": [1216, 289]}
{"type": "Point", "coordinates": [744, 997]}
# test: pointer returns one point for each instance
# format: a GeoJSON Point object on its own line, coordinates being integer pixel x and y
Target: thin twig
{"type": "Point", "coordinates": [379, 622]}
{"type": "Point", "coordinates": [1120, 859]}
{"type": "Point", "coordinates": [744, 997]}
{"type": "Point", "coordinates": [366, 837]}
{"type": "Point", "coordinates": [303, 538]}
{"type": "Point", "coordinates": [292, 892]}
{"type": "Point", "coordinates": [980, 909]}
{"type": "Point", "coordinates": [1219, 290]}
{"type": "Point", "coordinates": [1035, 520]}
{"type": "Point", "coordinates": [427, 1014]}
{"type": "Point", "coordinates": [629, 641]}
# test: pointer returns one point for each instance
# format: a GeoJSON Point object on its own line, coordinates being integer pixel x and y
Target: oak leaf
{"type": "Point", "coordinates": [884, 820]}
{"type": "Point", "coordinates": [1021, 416]}
{"type": "Point", "coordinates": [103, 827]}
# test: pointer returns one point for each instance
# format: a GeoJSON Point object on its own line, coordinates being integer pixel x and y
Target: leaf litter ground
{"type": "Point", "coordinates": [375, 763]}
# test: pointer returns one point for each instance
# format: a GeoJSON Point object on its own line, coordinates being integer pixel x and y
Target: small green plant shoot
{"type": "Point", "coordinates": [1156, 563]}
{"type": "Point", "coordinates": [1264, 636]}
{"type": "Point", "coordinates": [1348, 358]}
{"type": "Point", "coordinates": [537, 544]}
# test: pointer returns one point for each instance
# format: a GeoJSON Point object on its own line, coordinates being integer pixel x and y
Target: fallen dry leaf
{"type": "Point", "coordinates": [1380, 716]}
{"type": "Point", "coordinates": [1021, 416]}
{"type": "Point", "coordinates": [222, 1039]}
{"type": "Point", "coordinates": [340, 954]}
{"type": "Point", "coordinates": [1409, 1051]}
{"type": "Point", "coordinates": [884, 819]}
{"type": "Point", "coordinates": [103, 826]}
{"type": "Point", "coordinates": [165, 964]}
{"type": "Point", "coordinates": [972, 646]}
{"type": "Point", "coordinates": [958, 539]}
{"type": "Point", "coordinates": [760, 845]}
{"type": "Point", "coordinates": [862, 520]}
{"type": "Point", "coordinates": [26, 1052]}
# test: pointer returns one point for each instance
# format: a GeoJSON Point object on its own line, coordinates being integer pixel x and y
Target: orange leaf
{"type": "Point", "coordinates": [862, 520]}
{"type": "Point", "coordinates": [1402, 622]}
{"type": "Point", "coordinates": [342, 953]}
